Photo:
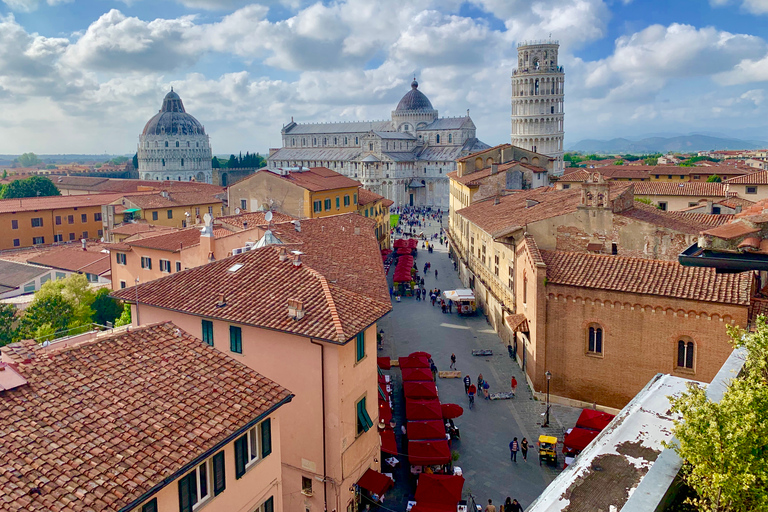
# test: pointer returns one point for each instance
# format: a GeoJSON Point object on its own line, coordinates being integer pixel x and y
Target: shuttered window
{"type": "Point", "coordinates": [363, 420]}
{"type": "Point", "coordinates": [253, 446]}
{"type": "Point", "coordinates": [219, 477]}
{"type": "Point", "coordinates": [150, 506]}
{"type": "Point", "coordinates": [235, 339]}
{"type": "Point", "coordinates": [266, 437]}
{"type": "Point", "coordinates": [208, 332]}
{"type": "Point", "coordinates": [360, 346]}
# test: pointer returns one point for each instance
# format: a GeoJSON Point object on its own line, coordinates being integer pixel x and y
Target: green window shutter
{"type": "Point", "coordinates": [241, 452]}
{"type": "Point", "coordinates": [219, 477]}
{"type": "Point", "coordinates": [150, 506]}
{"type": "Point", "coordinates": [360, 346]}
{"type": "Point", "coordinates": [266, 437]}
{"type": "Point", "coordinates": [187, 492]}
{"type": "Point", "coordinates": [208, 332]}
{"type": "Point", "coordinates": [269, 505]}
{"type": "Point", "coordinates": [362, 415]}
{"type": "Point", "coordinates": [235, 339]}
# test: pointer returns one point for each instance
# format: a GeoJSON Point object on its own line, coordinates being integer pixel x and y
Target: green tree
{"type": "Point", "coordinates": [651, 160]}
{"type": "Point", "coordinates": [105, 308]}
{"type": "Point", "coordinates": [76, 291]}
{"type": "Point", "coordinates": [714, 179]}
{"type": "Point", "coordinates": [618, 162]}
{"type": "Point", "coordinates": [125, 317]}
{"type": "Point", "coordinates": [34, 186]}
{"type": "Point", "coordinates": [29, 160]}
{"type": "Point", "coordinates": [118, 160]}
{"type": "Point", "coordinates": [136, 161]}
{"type": "Point", "coordinates": [725, 443]}
{"type": "Point", "coordinates": [5, 173]}
{"type": "Point", "coordinates": [215, 163]}
{"type": "Point", "coordinates": [7, 319]}
{"type": "Point", "coordinates": [52, 310]}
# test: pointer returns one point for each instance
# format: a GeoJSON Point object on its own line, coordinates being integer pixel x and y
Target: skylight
{"type": "Point", "coordinates": [235, 267]}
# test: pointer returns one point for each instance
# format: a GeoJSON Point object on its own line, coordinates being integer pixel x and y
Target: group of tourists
{"type": "Point", "coordinates": [509, 505]}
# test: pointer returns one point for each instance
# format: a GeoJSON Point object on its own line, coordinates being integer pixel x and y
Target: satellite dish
{"type": "Point", "coordinates": [268, 217]}
{"type": "Point", "coordinates": [237, 211]}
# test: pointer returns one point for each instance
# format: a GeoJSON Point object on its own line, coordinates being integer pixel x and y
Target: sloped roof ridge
{"type": "Point", "coordinates": [331, 304]}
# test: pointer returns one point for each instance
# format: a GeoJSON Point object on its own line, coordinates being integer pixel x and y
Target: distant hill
{"type": "Point", "coordinates": [681, 143]}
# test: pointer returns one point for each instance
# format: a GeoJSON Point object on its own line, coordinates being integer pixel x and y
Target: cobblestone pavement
{"type": "Point", "coordinates": [487, 429]}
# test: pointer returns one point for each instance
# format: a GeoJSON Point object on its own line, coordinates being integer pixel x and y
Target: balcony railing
{"type": "Point", "coordinates": [540, 69]}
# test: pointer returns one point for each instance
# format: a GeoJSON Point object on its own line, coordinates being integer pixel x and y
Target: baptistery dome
{"type": "Point", "coordinates": [174, 146]}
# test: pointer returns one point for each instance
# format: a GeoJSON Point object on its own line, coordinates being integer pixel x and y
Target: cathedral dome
{"type": "Point", "coordinates": [414, 100]}
{"type": "Point", "coordinates": [173, 119]}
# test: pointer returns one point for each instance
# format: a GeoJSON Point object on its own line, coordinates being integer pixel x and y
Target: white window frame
{"type": "Point", "coordinates": [254, 444]}
{"type": "Point", "coordinates": [165, 266]}
{"type": "Point", "coordinates": [202, 500]}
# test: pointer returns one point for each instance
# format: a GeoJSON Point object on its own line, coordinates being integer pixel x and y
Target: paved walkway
{"type": "Point", "coordinates": [487, 429]}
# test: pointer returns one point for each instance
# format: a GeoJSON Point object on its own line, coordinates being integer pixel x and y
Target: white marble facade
{"type": "Point", "coordinates": [405, 159]}
{"type": "Point", "coordinates": [174, 146]}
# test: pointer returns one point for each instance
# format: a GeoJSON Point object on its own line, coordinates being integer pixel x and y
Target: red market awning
{"type": "Point", "coordinates": [400, 242]}
{"type": "Point", "coordinates": [432, 429]}
{"type": "Point", "coordinates": [451, 411]}
{"type": "Point", "coordinates": [374, 482]}
{"type": "Point", "coordinates": [420, 389]}
{"type": "Point", "coordinates": [416, 374]}
{"type": "Point", "coordinates": [388, 442]}
{"type": "Point", "coordinates": [403, 250]}
{"type": "Point", "coordinates": [384, 363]}
{"type": "Point", "coordinates": [440, 492]}
{"type": "Point", "coordinates": [579, 438]}
{"type": "Point", "coordinates": [422, 410]}
{"type": "Point", "coordinates": [420, 354]}
{"type": "Point", "coordinates": [595, 420]}
{"type": "Point", "coordinates": [412, 243]}
{"type": "Point", "coordinates": [414, 362]}
{"type": "Point", "coordinates": [429, 453]}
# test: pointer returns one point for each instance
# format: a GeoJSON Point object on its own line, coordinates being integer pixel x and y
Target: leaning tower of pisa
{"type": "Point", "coordinates": [537, 100]}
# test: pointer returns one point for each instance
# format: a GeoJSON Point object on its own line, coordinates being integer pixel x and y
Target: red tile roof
{"type": "Point", "coordinates": [131, 228]}
{"type": "Point", "coordinates": [316, 179]}
{"type": "Point", "coordinates": [756, 178]}
{"type": "Point", "coordinates": [100, 424]}
{"type": "Point", "coordinates": [365, 196]}
{"type": "Point", "coordinates": [56, 202]}
{"type": "Point", "coordinates": [733, 230]}
{"type": "Point", "coordinates": [74, 259]}
{"type": "Point", "coordinates": [167, 241]}
{"type": "Point", "coordinates": [253, 219]}
{"type": "Point", "coordinates": [475, 154]}
{"type": "Point", "coordinates": [661, 188]}
{"type": "Point", "coordinates": [173, 199]}
{"type": "Point", "coordinates": [646, 276]}
{"type": "Point", "coordinates": [257, 294]}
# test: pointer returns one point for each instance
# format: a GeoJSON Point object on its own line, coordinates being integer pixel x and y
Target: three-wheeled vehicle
{"type": "Point", "coordinates": [464, 300]}
{"type": "Point", "coordinates": [547, 449]}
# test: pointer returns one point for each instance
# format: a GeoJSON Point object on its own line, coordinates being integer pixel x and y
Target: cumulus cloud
{"type": "Point", "coordinates": [751, 6]}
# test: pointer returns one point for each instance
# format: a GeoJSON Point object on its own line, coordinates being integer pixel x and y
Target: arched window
{"type": "Point", "coordinates": [450, 138]}
{"type": "Point", "coordinates": [314, 141]}
{"type": "Point", "coordinates": [595, 339]}
{"type": "Point", "coordinates": [437, 138]}
{"type": "Point", "coordinates": [536, 87]}
{"type": "Point", "coordinates": [685, 350]}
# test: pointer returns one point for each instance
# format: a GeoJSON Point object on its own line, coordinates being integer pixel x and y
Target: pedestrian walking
{"type": "Point", "coordinates": [453, 361]}
{"type": "Point", "coordinates": [434, 298]}
{"type": "Point", "coordinates": [516, 507]}
{"type": "Point", "coordinates": [442, 306]}
{"type": "Point", "coordinates": [491, 507]}
{"type": "Point", "coordinates": [418, 294]}
{"type": "Point", "coordinates": [486, 392]}
{"type": "Point", "coordinates": [435, 273]}
{"type": "Point", "coordinates": [507, 505]}
{"type": "Point", "coordinates": [467, 382]}
{"type": "Point", "coordinates": [524, 449]}
{"type": "Point", "coordinates": [433, 367]}
{"type": "Point", "coordinates": [514, 446]}
{"type": "Point", "coordinates": [514, 385]}
{"type": "Point", "coordinates": [450, 307]}
{"type": "Point", "coordinates": [480, 381]}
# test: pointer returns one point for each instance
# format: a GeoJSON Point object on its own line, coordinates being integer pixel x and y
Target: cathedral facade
{"type": "Point", "coordinates": [405, 159]}
{"type": "Point", "coordinates": [174, 146]}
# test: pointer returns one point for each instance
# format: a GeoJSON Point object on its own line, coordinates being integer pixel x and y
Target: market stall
{"type": "Point", "coordinates": [420, 389]}
{"type": "Point", "coordinates": [438, 493]}
{"type": "Point", "coordinates": [423, 410]}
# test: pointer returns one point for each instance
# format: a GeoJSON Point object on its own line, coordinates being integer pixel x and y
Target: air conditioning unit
{"type": "Point", "coordinates": [236, 251]}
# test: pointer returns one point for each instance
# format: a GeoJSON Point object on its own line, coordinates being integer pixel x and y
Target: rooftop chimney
{"type": "Point", "coordinates": [283, 254]}
{"type": "Point", "coordinates": [245, 224]}
{"type": "Point", "coordinates": [357, 230]}
{"type": "Point", "coordinates": [496, 200]}
{"type": "Point", "coordinates": [297, 225]}
{"type": "Point", "coordinates": [222, 301]}
{"type": "Point", "coordinates": [296, 309]}
{"type": "Point", "coordinates": [164, 193]}
{"type": "Point", "coordinates": [84, 242]}
{"type": "Point", "coordinates": [297, 258]}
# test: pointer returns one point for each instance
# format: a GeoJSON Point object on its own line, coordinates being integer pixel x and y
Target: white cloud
{"type": "Point", "coordinates": [31, 5]}
{"type": "Point", "coordinates": [751, 6]}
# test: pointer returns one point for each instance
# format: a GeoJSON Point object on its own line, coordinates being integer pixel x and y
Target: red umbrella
{"type": "Point", "coordinates": [579, 438]}
{"type": "Point", "coordinates": [375, 482]}
{"type": "Point", "coordinates": [388, 443]}
{"type": "Point", "coordinates": [431, 429]}
{"type": "Point", "coordinates": [413, 362]}
{"type": "Point", "coordinates": [417, 374]}
{"type": "Point", "coordinates": [595, 420]}
{"type": "Point", "coordinates": [420, 389]}
{"type": "Point", "coordinates": [439, 491]}
{"type": "Point", "coordinates": [451, 411]}
{"type": "Point", "coordinates": [420, 354]}
{"type": "Point", "coordinates": [422, 410]}
{"type": "Point", "coordinates": [428, 453]}
{"type": "Point", "coordinates": [384, 363]}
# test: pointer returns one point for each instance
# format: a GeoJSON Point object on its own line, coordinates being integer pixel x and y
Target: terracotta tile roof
{"type": "Point", "coordinates": [99, 424]}
{"type": "Point", "coordinates": [129, 185]}
{"type": "Point", "coordinates": [55, 202]}
{"type": "Point", "coordinates": [168, 241]}
{"type": "Point", "coordinates": [320, 178]}
{"type": "Point", "coordinates": [577, 176]}
{"type": "Point", "coordinates": [734, 201]}
{"type": "Point", "coordinates": [74, 259]}
{"type": "Point", "coordinates": [253, 219]}
{"type": "Point", "coordinates": [682, 222]}
{"type": "Point", "coordinates": [660, 188]}
{"type": "Point", "coordinates": [331, 247]}
{"type": "Point", "coordinates": [131, 228]}
{"type": "Point", "coordinates": [646, 276]}
{"type": "Point", "coordinates": [475, 178]}
{"type": "Point", "coordinates": [705, 219]}
{"type": "Point", "coordinates": [257, 294]}
{"type": "Point", "coordinates": [365, 196]}
{"type": "Point", "coordinates": [756, 178]}
{"type": "Point", "coordinates": [518, 209]}
{"type": "Point", "coordinates": [732, 230]}
{"type": "Point", "coordinates": [157, 200]}
{"type": "Point", "coordinates": [517, 322]}
{"type": "Point", "coordinates": [533, 250]}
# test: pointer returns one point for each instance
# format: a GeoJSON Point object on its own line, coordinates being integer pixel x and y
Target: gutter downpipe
{"type": "Point", "coordinates": [322, 391]}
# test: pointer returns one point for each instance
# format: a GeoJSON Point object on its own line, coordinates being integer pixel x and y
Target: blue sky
{"type": "Point", "coordinates": [83, 76]}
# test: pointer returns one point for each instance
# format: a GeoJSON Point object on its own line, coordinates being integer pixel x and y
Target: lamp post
{"type": "Point", "coordinates": [549, 376]}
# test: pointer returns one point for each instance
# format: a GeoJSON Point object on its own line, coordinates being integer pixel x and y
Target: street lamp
{"type": "Point", "coordinates": [549, 376]}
